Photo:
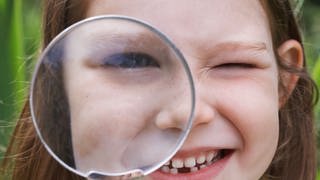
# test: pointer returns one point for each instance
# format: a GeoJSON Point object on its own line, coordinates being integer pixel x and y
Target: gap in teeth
{"type": "Point", "coordinates": [192, 164]}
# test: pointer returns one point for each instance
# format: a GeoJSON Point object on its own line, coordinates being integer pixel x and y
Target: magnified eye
{"type": "Point", "coordinates": [131, 60]}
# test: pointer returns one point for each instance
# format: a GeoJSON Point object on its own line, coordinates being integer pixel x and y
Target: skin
{"type": "Point", "coordinates": [121, 102]}
{"type": "Point", "coordinates": [228, 47]}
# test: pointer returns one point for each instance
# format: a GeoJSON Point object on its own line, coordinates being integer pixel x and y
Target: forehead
{"type": "Point", "coordinates": [195, 22]}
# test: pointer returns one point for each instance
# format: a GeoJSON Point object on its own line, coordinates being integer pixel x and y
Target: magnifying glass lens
{"type": "Point", "coordinates": [112, 95]}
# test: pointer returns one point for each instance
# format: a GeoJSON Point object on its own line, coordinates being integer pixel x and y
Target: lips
{"type": "Point", "coordinates": [203, 165]}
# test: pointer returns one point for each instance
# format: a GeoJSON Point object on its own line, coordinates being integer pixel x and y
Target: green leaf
{"type": "Point", "coordinates": [11, 65]}
{"type": "Point", "coordinates": [316, 78]}
{"type": "Point", "coordinates": [316, 72]}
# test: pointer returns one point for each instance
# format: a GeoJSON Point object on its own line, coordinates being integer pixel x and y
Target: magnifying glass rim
{"type": "Point", "coordinates": [65, 32]}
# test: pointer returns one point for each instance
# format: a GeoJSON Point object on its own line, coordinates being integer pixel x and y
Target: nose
{"type": "Point", "coordinates": [178, 114]}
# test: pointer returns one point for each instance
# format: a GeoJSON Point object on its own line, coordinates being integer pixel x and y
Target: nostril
{"type": "Point", "coordinates": [162, 121]}
{"type": "Point", "coordinates": [179, 117]}
{"type": "Point", "coordinates": [167, 120]}
{"type": "Point", "coordinates": [204, 113]}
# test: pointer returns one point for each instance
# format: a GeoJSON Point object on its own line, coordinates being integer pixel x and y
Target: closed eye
{"type": "Point", "coordinates": [130, 60]}
{"type": "Point", "coordinates": [236, 65]}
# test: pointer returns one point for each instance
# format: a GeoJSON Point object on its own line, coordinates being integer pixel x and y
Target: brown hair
{"type": "Point", "coordinates": [296, 154]}
{"type": "Point", "coordinates": [26, 157]}
{"type": "Point", "coordinates": [295, 158]}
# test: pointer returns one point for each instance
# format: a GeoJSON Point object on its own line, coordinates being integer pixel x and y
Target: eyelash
{"type": "Point", "coordinates": [236, 65]}
{"type": "Point", "coordinates": [130, 60]}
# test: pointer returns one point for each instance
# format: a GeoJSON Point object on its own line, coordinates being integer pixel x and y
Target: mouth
{"type": "Point", "coordinates": [203, 165]}
{"type": "Point", "coordinates": [194, 163]}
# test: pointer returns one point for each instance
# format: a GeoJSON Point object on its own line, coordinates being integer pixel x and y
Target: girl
{"type": "Point", "coordinates": [254, 96]}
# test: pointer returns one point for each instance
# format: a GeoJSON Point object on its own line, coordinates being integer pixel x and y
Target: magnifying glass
{"type": "Point", "coordinates": [112, 97]}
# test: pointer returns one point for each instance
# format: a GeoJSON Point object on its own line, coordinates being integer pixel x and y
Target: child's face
{"type": "Point", "coordinates": [228, 47]}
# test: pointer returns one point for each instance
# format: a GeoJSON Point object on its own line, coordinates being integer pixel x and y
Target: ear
{"type": "Point", "coordinates": [291, 54]}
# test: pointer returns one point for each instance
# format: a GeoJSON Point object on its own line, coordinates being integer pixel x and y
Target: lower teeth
{"type": "Point", "coordinates": [194, 169]}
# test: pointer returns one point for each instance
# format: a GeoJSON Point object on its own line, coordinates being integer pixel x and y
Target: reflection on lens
{"type": "Point", "coordinates": [108, 96]}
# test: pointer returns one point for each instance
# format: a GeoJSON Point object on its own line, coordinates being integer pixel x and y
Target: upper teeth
{"type": "Point", "coordinates": [201, 159]}
{"type": "Point", "coordinates": [211, 155]}
{"type": "Point", "coordinates": [191, 161]}
{"type": "Point", "coordinates": [177, 163]}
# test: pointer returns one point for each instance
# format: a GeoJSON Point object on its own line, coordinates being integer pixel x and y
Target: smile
{"type": "Point", "coordinates": [193, 164]}
{"type": "Point", "coordinates": [201, 166]}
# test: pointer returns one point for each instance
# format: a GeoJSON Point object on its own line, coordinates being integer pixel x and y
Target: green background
{"type": "Point", "coordinates": [20, 34]}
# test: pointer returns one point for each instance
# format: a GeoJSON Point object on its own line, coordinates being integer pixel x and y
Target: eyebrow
{"type": "Point", "coordinates": [130, 39]}
{"type": "Point", "coordinates": [234, 46]}
{"type": "Point", "coordinates": [238, 45]}
{"type": "Point", "coordinates": [142, 41]}
{"type": "Point", "coordinates": [142, 35]}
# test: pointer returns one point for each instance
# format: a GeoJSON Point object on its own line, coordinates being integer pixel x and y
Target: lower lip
{"type": "Point", "coordinates": [202, 174]}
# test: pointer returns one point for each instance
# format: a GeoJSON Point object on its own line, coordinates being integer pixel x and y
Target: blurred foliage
{"type": "Point", "coordinates": [311, 28]}
{"type": "Point", "coordinates": [12, 52]}
{"type": "Point", "coordinates": [310, 18]}
{"type": "Point", "coordinates": [20, 36]}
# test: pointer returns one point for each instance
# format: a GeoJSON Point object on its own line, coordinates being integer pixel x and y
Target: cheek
{"type": "Point", "coordinates": [107, 120]}
{"type": "Point", "coordinates": [251, 105]}
{"type": "Point", "coordinates": [114, 125]}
